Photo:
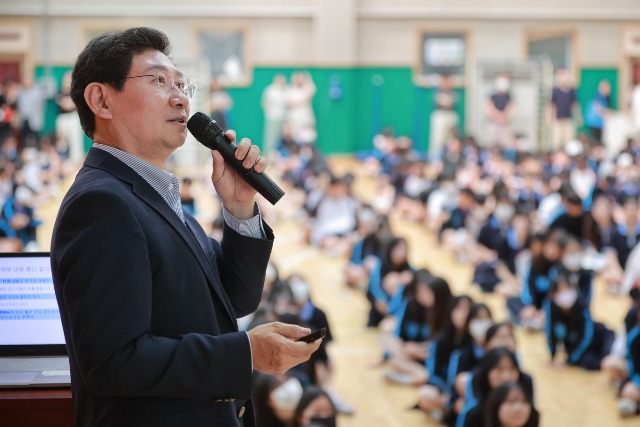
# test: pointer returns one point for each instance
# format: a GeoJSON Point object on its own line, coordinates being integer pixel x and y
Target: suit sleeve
{"type": "Point", "coordinates": [242, 264]}
{"type": "Point", "coordinates": [104, 284]}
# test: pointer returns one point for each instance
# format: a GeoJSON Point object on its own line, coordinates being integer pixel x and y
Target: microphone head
{"type": "Point", "coordinates": [199, 124]}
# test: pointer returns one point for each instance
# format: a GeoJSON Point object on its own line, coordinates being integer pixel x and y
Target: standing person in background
{"type": "Point", "coordinates": [635, 108]}
{"type": "Point", "coordinates": [68, 122]}
{"type": "Point", "coordinates": [219, 103]}
{"type": "Point", "coordinates": [443, 118]}
{"type": "Point", "coordinates": [500, 110]}
{"type": "Point", "coordinates": [564, 109]}
{"type": "Point", "coordinates": [299, 96]}
{"type": "Point", "coordinates": [274, 105]}
{"type": "Point", "coordinates": [30, 107]}
{"type": "Point", "coordinates": [597, 110]}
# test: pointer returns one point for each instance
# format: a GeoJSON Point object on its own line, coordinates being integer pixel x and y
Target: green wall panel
{"type": "Point", "coordinates": [371, 99]}
{"type": "Point", "coordinates": [589, 79]}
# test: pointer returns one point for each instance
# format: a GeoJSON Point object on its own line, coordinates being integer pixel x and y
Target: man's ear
{"type": "Point", "coordinates": [96, 96]}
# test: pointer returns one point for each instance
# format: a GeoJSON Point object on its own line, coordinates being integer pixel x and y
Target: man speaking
{"type": "Point", "coordinates": [148, 302]}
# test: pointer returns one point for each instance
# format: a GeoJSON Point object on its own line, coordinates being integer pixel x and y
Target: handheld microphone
{"type": "Point", "coordinates": [211, 135]}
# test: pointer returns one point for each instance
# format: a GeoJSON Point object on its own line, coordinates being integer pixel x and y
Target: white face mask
{"type": "Point", "coordinates": [300, 290]}
{"type": "Point", "coordinates": [572, 262]}
{"type": "Point", "coordinates": [566, 299]}
{"type": "Point", "coordinates": [287, 395]}
{"type": "Point", "coordinates": [504, 213]}
{"type": "Point", "coordinates": [478, 328]}
{"type": "Point", "coordinates": [502, 84]}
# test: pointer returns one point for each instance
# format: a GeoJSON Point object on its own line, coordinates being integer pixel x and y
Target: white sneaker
{"type": "Point", "coordinates": [627, 407]}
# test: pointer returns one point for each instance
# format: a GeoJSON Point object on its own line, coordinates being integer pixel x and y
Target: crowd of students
{"type": "Point", "coordinates": [538, 228]}
{"type": "Point", "coordinates": [32, 164]}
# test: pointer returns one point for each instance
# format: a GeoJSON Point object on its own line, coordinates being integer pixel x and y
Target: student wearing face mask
{"type": "Point", "coordinates": [315, 409]}
{"type": "Point", "coordinates": [569, 322]}
{"type": "Point", "coordinates": [502, 241]}
{"type": "Point", "coordinates": [509, 406]}
{"type": "Point", "coordinates": [319, 369]}
{"type": "Point", "coordinates": [500, 110]}
{"type": "Point", "coordinates": [572, 263]}
{"type": "Point", "coordinates": [275, 399]}
{"type": "Point", "coordinates": [479, 321]}
{"type": "Point", "coordinates": [465, 359]}
{"type": "Point", "coordinates": [499, 335]}
{"type": "Point", "coordinates": [527, 307]}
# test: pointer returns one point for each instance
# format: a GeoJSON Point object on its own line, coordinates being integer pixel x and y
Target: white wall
{"type": "Point", "coordinates": [318, 32]}
{"type": "Point", "coordinates": [277, 41]}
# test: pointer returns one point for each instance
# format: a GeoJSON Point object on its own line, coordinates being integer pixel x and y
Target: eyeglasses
{"type": "Point", "coordinates": [166, 83]}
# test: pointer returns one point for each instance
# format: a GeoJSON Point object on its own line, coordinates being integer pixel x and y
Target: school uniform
{"type": "Point", "coordinates": [376, 292]}
{"type": "Point", "coordinates": [409, 326]}
{"type": "Point", "coordinates": [534, 291]}
{"type": "Point", "coordinates": [585, 341]}
{"type": "Point", "coordinates": [624, 240]}
{"type": "Point", "coordinates": [441, 373]}
{"type": "Point", "coordinates": [582, 280]}
{"type": "Point", "coordinates": [503, 240]}
{"type": "Point", "coordinates": [457, 220]}
{"type": "Point", "coordinates": [473, 414]}
{"type": "Point", "coordinates": [633, 355]}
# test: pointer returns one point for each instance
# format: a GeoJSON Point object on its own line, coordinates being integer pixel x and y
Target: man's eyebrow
{"type": "Point", "coordinates": [163, 68]}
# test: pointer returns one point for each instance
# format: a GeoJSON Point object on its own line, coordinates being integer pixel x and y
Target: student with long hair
{"type": "Point", "coordinates": [569, 322]}
{"type": "Point", "coordinates": [275, 399]}
{"type": "Point", "coordinates": [629, 403]}
{"type": "Point", "coordinates": [315, 409]}
{"type": "Point", "coordinates": [421, 315]}
{"type": "Point", "coordinates": [465, 359]}
{"type": "Point", "coordinates": [433, 396]}
{"type": "Point", "coordinates": [390, 274]}
{"type": "Point", "coordinates": [498, 366]}
{"type": "Point", "coordinates": [509, 406]}
{"type": "Point", "coordinates": [527, 308]}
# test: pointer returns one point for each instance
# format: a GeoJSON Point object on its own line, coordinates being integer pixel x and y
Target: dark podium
{"type": "Point", "coordinates": [36, 407]}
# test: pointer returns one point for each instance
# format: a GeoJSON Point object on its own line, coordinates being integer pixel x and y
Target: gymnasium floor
{"type": "Point", "coordinates": [568, 397]}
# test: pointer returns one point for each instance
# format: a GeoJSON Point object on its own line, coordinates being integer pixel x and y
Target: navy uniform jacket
{"type": "Point", "coordinates": [623, 241]}
{"type": "Point", "coordinates": [575, 329]}
{"type": "Point", "coordinates": [500, 239]}
{"type": "Point", "coordinates": [149, 305]}
{"type": "Point", "coordinates": [633, 355]}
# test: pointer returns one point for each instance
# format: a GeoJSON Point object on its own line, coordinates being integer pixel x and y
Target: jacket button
{"type": "Point", "coordinates": [241, 412]}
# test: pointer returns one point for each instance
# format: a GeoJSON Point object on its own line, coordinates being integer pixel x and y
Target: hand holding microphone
{"type": "Point", "coordinates": [209, 134]}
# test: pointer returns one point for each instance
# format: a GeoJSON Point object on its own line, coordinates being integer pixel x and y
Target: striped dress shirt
{"type": "Point", "coordinates": [167, 185]}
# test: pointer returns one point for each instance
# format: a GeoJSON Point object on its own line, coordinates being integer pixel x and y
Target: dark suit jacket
{"type": "Point", "coordinates": [148, 305]}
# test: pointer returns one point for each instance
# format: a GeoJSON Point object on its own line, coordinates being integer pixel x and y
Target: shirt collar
{"type": "Point", "coordinates": [164, 182]}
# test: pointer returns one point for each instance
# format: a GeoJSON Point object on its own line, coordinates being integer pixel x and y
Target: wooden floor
{"type": "Point", "coordinates": [569, 397]}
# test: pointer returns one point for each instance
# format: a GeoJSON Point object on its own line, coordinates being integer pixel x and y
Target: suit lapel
{"type": "Point", "coordinates": [102, 160]}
